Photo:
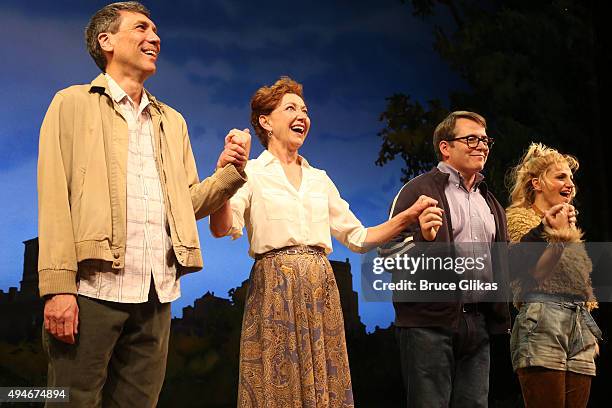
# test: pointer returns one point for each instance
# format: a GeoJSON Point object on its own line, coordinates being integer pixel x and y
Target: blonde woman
{"type": "Point", "coordinates": [292, 349]}
{"type": "Point", "coordinates": [554, 337]}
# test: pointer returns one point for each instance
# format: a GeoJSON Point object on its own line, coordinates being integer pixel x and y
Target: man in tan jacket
{"type": "Point", "coordinates": [119, 196]}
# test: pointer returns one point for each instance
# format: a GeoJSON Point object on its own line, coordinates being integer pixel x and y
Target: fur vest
{"type": "Point", "coordinates": [571, 275]}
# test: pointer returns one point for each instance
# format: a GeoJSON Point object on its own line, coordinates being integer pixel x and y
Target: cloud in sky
{"type": "Point", "coordinates": [350, 56]}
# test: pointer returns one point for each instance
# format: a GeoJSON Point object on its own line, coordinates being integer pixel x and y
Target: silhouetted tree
{"type": "Point", "coordinates": [534, 70]}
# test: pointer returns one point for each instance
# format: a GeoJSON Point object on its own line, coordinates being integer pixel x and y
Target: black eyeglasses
{"type": "Point", "coordinates": [472, 141]}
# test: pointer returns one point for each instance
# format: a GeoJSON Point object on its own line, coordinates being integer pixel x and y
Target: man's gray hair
{"type": "Point", "coordinates": [108, 20]}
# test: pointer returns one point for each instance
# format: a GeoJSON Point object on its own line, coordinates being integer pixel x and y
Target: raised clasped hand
{"type": "Point", "coordinates": [236, 149]}
{"type": "Point", "coordinates": [560, 216]}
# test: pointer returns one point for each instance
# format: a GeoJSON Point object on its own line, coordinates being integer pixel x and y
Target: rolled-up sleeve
{"type": "Point", "coordinates": [240, 204]}
{"type": "Point", "coordinates": [344, 225]}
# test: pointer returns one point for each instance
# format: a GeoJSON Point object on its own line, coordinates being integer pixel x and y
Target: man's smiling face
{"type": "Point", "coordinates": [135, 45]}
{"type": "Point", "coordinates": [462, 158]}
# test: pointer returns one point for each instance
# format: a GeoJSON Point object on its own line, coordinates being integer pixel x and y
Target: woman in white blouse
{"type": "Point", "coordinates": [292, 349]}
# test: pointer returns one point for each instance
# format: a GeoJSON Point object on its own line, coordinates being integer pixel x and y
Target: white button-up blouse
{"type": "Point", "coordinates": [277, 215]}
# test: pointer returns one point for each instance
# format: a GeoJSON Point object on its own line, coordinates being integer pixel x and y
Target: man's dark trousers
{"type": "Point", "coordinates": [120, 356]}
{"type": "Point", "coordinates": [443, 367]}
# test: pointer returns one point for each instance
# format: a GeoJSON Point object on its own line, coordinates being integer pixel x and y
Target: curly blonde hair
{"type": "Point", "coordinates": [535, 164]}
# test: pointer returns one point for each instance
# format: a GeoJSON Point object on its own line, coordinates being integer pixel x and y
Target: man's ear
{"type": "Point", "coordinates": [264, 121]}
{"type": "Point", "coordinates": [444, 146]}
{"type": "Point", "coordinates": [105, 41]}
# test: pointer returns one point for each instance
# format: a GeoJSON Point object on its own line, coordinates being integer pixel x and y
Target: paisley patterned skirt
{"type": "Point", "coordinates": [292, 349]}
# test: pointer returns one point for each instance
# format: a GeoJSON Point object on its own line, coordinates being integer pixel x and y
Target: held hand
{"type": "Point", "coordinates": [571, 216]}
{"type": "Point", "coordinates": [421, 204]}
{"type": "Point", "coordinates": [243, 139]}
{"type": "Point", "coordinates": [237, 149]}
{"type": "Point", "coordinates": [557, 217]}
{"type": "Point", "coordinates": [61, 316]}
{"type": "Point", "coordinates": [386, 231]}
{"type": "Point", "coordinates": [411, 215]}
{"type": "Point", "coordinates": [232, 154]}
{"type": "Point", "coordinates": [240, 137]}
{"type": "Point", "coordinates": [430, 222]}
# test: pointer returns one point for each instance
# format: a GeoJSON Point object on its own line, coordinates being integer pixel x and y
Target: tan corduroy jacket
{"type": "Point", "coordinates": [82, 167]}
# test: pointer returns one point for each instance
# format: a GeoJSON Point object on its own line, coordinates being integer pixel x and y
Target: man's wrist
{"type": "Point", "coordinates": [241, 171]}
{"type": "Point", "coordinates": [50, 296]}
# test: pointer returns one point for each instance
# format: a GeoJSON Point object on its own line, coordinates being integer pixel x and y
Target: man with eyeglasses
{"type": "Point", "coordinates": [444, 345]}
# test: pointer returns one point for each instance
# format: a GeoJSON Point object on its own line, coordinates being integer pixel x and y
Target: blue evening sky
{"type": "Point", "coordinates": [350, 56]}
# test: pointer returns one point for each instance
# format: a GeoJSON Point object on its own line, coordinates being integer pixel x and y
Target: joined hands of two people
{"type": "Point", "coordinates": [236, 150]}
{"type": "Point", "coordinates": [430, 221]}
{"type": "Point", "coordinates": [561, 216]}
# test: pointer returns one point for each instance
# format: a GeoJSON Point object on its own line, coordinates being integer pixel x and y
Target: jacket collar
{"type": "Point", "coordinates": [100, 85]}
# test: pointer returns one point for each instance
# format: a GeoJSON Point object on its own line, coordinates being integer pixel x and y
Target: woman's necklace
{"type": "Point", "coordinates": [537, 210]}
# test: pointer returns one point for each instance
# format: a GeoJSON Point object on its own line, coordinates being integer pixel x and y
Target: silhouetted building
{"type": "Point", "coordinates": [348, 298]}
{"type": "Point", "coordinates": [21, 309]}
{"type": "Point", "coordinates": [206, 315]}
